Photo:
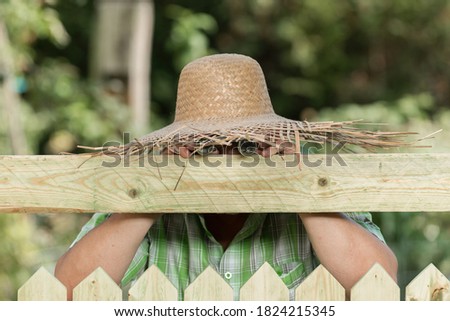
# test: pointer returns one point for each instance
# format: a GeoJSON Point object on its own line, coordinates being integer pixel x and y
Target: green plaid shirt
{"type": "Point", "coordinates": [181, 246]}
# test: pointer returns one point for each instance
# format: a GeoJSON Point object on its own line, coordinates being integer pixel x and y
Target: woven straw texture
{"type": "Point", "coordinates": [223, 99]}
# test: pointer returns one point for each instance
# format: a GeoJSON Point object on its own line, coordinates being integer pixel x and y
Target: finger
{"type": "Point", "coordinates": [286, 148]}
{"type": "Point", "coordinates": [184, 152]}
{"type": "Point", "coordinates": [269, 151]}
{"type": "Point", "coordinates": [168, 151]}
{"type": "Point", "coordinates": [288, 151]}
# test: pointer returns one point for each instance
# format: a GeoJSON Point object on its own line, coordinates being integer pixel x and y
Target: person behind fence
{"type": "Point", "coordinates": [223, 107]}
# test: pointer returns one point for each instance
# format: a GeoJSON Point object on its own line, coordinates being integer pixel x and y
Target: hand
{"type": "Point", "coordinates": [265, 150]}
{"type": "Point", "coordinates": [281, 148]}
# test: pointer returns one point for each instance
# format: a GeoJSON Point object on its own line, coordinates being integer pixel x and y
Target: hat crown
{"type": "Point", "coordinates": [223, 86]}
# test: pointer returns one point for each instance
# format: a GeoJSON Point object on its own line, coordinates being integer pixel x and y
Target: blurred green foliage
{"type": "Point", "coordinates": [189, 34]}
{"type": "Point", "coordinates": [377, 60]}
{"type": "Point", "coordinates": [69, 107]}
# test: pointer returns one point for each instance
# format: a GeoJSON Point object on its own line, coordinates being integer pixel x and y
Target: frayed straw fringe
{"type": "Point", "coordinates": [296, 132]}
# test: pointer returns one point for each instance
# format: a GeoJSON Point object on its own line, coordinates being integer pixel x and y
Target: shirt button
{"type": "Point", "coordinates": [228, 275]}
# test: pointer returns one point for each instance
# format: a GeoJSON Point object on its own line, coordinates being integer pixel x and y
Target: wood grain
{"type": "Point", "coordinates": [320, 285]}
{"type": "Point", "coordinates": [97, 286]}
{"type": "Point", "coordinates": [375, 285]}
{"type": "Point", "coordinates": [322, 183]}
{"type": "Point", "coordinates": [264, 285]}
{"type": "Point", "coordinates": [429, 285]}
{"type": "Point", "coordinates": [42, 286]}
{"type": "Point", "coordinates": [208, 286]}
{"type": "Point", "coordinates": [153, 285]}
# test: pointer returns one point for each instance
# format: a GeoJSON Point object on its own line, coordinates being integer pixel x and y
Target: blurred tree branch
{"type": "Point", "coordinates": [139, 64]}
{"type": "Point", "coordinates": [10, 100]}
{"type": "Point", "coordinates": [122, 53]}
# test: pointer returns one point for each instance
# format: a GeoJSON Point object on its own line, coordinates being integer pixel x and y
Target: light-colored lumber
{"type": "Point", "coordinates": [42, 286]}
{"type": "Point", "coordinates": [320, 285]}
{"type": "Point", "coordinates": [153, 285]}
{"type": "Point", "coordinates": [97, 286]}
{"type": "Point", "coordinates": [264, 285]}
{"type": "Point", "coordinates": [429, 285]}
{"type": "Point", "coordinates": [208, 286]}
{"type": "Point", "coordinates": [375, 285]}
{"type": "Point", "coordinates": [363, 182]}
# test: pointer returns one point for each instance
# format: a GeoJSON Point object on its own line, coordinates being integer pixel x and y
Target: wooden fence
{"type": "Point", "coordinates": [323, 183]}
{"type": "Point", "coordinates": [264, 285]}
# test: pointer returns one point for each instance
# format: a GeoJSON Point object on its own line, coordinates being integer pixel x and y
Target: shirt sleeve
{"type": "Point", "coordinates": [365, 220]}
{"type": "Point", "coordinates": [94, 221]}
{"type": "Point", "coordinates": [140, 259]}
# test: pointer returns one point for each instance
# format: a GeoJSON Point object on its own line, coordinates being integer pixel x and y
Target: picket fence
{"type": "Point", "coordinates": [264, 285]}
{"type": "Point", "coordinates": [357, 182]}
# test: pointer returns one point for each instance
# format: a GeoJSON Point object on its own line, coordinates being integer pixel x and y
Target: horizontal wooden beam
{"type": "Point", "coordinates": [225, 184]}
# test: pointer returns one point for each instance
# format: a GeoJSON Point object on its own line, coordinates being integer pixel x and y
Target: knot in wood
{"type": "Point", "coordinates": [132, 193]}
{"type": "Point", "coordinates": [323, 181]}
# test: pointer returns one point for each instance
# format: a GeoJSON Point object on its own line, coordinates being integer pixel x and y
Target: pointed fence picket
{"type": "Point", "coordinates": [42, 286]}
{"type": "Point", "coordinates": [97, 286]}
{"type": "Point", "coordinates": [208, 286]}
{"type": "Point", "coordinates": [429, 285]}
{"type": "Point", "coordinates": [375, 285]}
{"type": "Point", "coordinates": [265, 284]}
{"type": "Point", "coordinates": [320, 285]}
{"type": "Point", "coordinates": [153, 285]}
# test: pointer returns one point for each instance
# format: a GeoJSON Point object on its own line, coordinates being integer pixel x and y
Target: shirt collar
{"type": "Point", "coordinates": [253, 223]}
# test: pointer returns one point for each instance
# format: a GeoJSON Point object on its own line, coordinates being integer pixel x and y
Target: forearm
{"type": "Point", "coordinates": [345, 248]}
{"type": "Point", "coordinates": [111, 245]}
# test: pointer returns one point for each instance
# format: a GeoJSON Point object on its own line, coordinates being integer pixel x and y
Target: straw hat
{"type": "Point", "coordinates": [223, 99]}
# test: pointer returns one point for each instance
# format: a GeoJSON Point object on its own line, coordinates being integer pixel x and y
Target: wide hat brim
{"type": "Point", "coordinates": [223, 99]}
{"type": "Point", "coordinates": [271, 130]}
